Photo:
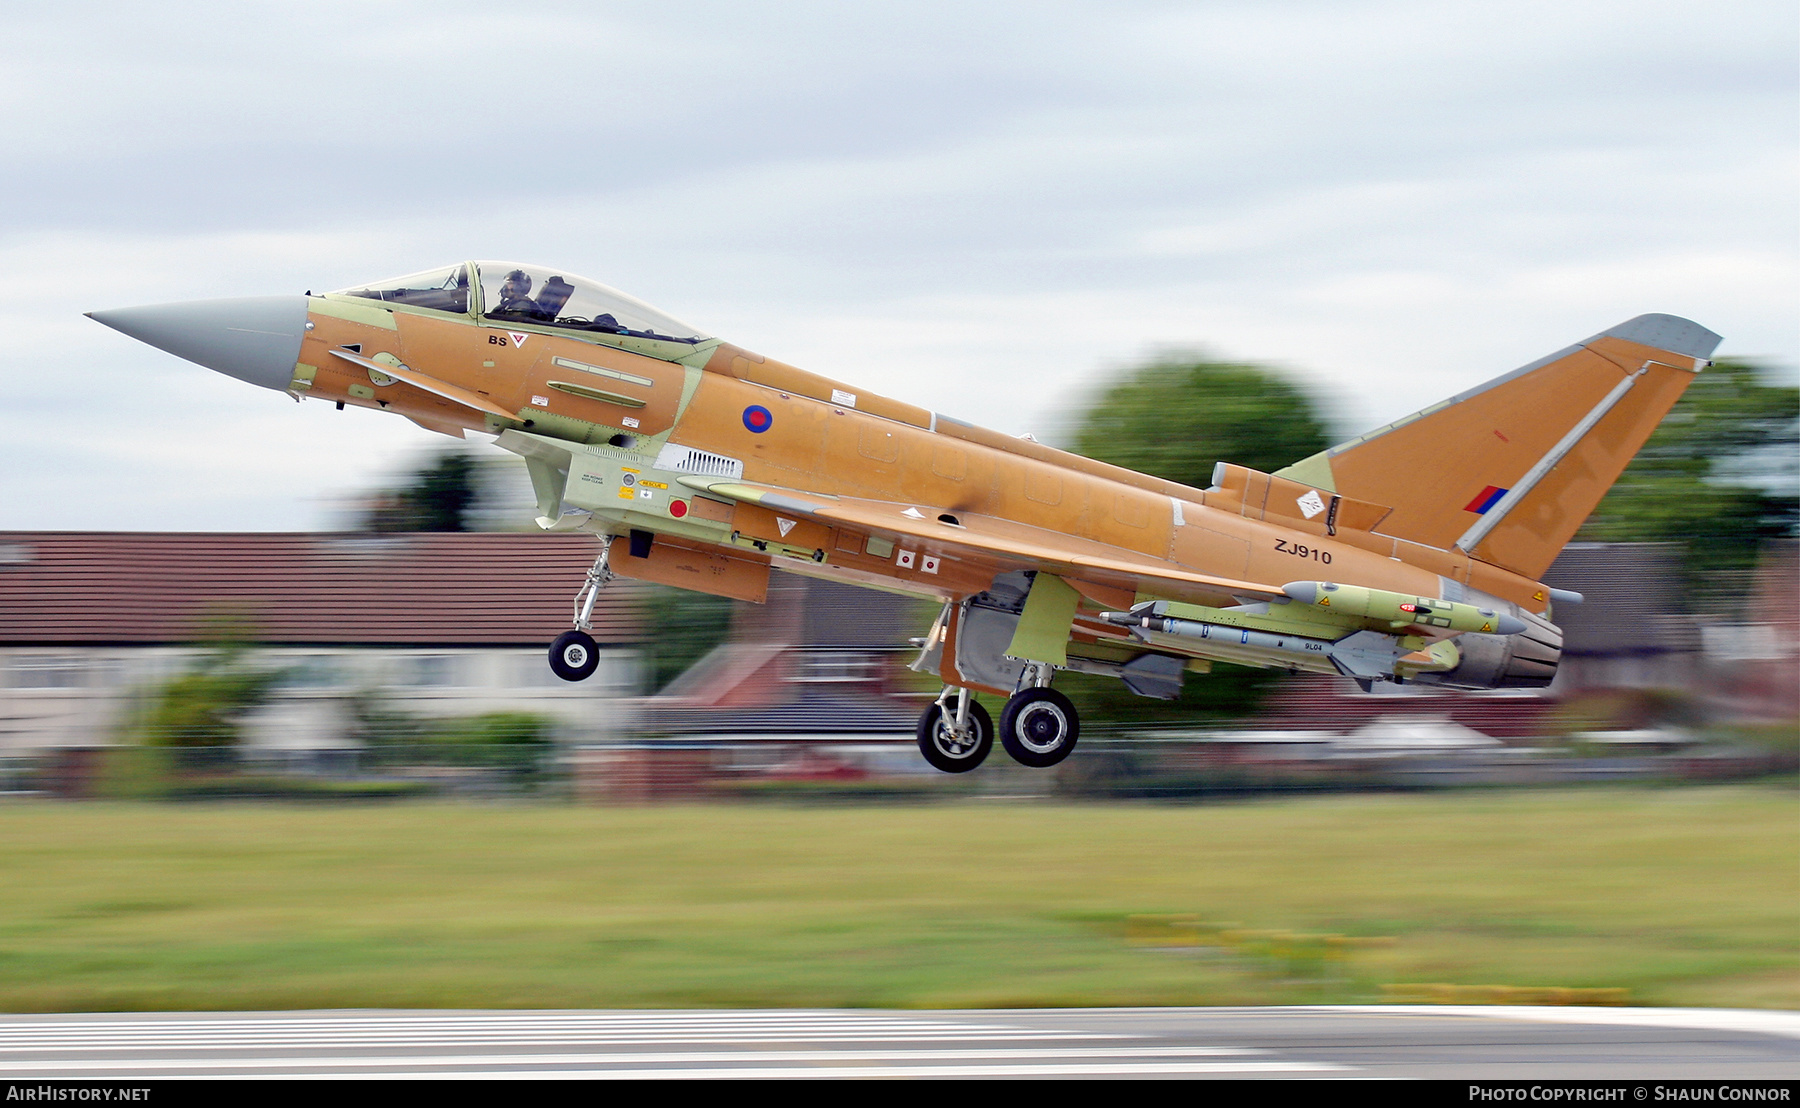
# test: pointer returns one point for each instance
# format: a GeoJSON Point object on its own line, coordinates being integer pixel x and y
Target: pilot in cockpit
{"type": "Point", "coordinates": [515, 294]}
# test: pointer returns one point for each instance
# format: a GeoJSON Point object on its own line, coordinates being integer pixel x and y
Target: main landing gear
{"type": "Point", "coordinates": [956, 738]}
{"type": "Point", "coordinates": [573, 656]}
{"type": "Point", "coordinates": [1038, 727]}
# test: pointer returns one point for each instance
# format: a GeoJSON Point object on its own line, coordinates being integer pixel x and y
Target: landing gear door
{"type": "Point", "coordinates": [931, 656]}
{"type": "Point", "coordinates": [966, 649]}
{"type": "Point", "coordinates": [982, 638]}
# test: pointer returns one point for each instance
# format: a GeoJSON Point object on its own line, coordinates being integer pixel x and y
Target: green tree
{"type": "Point", "coordinates": [1712, 478]}
{"type": "Point", "coordinates": [1173, 418]}
{"type": "Point", "coordinates": [1178, 415]}
{"type": "Point", "coordinates": [684, 626]}
{"type": "Point", "coordinates": [205, 706]}
{"type": "Point", "coordinates": [439, 497]}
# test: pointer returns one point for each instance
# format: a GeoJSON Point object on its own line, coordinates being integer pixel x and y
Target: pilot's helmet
{"type": "Point", "coordinates": [516, 284]}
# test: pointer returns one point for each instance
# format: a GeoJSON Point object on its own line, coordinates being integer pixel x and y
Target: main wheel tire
{"type": "Point", "coordinates": [1039, 727]}
{"type": "Point", "coordinates": [946, 750]}
{"type": "Point", "coordinates": [573, 656]}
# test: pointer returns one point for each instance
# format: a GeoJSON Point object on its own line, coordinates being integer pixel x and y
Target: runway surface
{"type": "Point", "coordinates": [1375, 1042]}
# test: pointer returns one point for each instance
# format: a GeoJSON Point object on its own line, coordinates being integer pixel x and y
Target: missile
{"type": "Point", "coordinates": [1368, 655]}
{"type": "Point", "coordinates": [1402, 610]}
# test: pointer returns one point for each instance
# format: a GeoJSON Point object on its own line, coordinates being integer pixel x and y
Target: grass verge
{"type": "Point", "coordinates": [1679, 896]}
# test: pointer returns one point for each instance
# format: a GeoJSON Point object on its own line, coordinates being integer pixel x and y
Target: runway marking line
{"type": "Point", "coordinates": [650, 1058]}
{"type": "Point", "coordinates": [1094, 1069]}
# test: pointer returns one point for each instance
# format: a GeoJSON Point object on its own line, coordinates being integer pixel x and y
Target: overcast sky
{"type": "Point", "coordinates": [981, 208]}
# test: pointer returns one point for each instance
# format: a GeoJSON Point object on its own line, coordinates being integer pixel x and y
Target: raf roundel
{"type": "Point", "coordinates": [757, 419]}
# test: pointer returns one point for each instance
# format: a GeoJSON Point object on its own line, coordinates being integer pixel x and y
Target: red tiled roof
{"type": "Point", "coordinates": [1327, 702]}
{"type": "Point", "coordinates": [427, 588]}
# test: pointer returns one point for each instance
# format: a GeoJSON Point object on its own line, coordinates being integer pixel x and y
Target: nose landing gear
{"type": "Point", "coordinates": [574, 656]}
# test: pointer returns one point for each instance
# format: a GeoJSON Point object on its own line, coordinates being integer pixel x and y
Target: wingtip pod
{"type": "Point", "coordinates": [1665, 332]}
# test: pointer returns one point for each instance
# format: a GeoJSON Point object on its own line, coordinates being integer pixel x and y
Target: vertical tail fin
{"type": "Point", "coordinates": [1507, 471]}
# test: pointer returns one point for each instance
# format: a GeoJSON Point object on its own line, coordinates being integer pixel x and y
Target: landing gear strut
{"type": "Point", "coordinates": [573, 656]}
{"type": "Point", "coordinates": [956, 738]}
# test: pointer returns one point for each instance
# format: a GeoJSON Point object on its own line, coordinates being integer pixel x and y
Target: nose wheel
{"type": "Point", "coordinates": [573, 656]}
{"type": "Point", "coordinates": [1039, 727]}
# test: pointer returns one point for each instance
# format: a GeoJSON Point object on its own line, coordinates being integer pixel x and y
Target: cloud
{"type": "Point", "coordinates": [979, 208]}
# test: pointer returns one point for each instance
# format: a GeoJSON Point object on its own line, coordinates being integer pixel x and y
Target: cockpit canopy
{"type": "Point", "coordinates": [528, 294]}
{"type": "Point", "coordinates": [443, 290]}
{"type": "Point", "coordinates": [512, 293]}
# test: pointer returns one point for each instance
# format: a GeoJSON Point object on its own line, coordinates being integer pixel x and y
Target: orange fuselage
{"type": "Point", "coordinates": [856, 445]}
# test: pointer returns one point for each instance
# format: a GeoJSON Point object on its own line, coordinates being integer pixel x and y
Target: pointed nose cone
{"type": "Point", "coordinates": [255, 339]}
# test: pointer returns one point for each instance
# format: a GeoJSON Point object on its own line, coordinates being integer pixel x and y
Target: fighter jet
{"type": "Point", "coordinates": [1408, 554]}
